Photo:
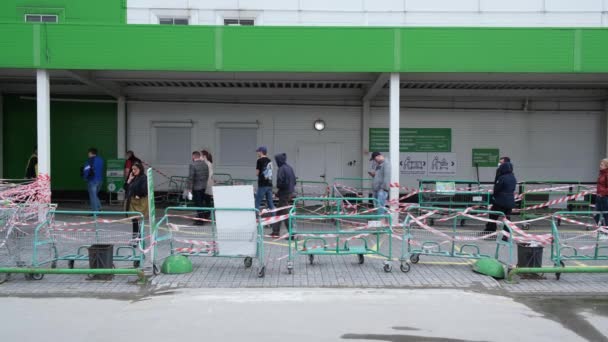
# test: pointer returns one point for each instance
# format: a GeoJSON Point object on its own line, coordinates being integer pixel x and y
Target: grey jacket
{"type": "Point", "coordinates": [198, 175]}
{"type": "Point", "coordinates": [382, 178]}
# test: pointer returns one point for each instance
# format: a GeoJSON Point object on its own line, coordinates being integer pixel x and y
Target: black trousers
{"type": "Point", "coordinates": [284, 198]}
{"type": "Point", "coordinates": [491, 226]}
{"type": "Point", "coordinates": [136, 233]}
{"type": "Point", "coordinates": [207, 203]}
{"type": "Point", "coordinates": [198, 196]}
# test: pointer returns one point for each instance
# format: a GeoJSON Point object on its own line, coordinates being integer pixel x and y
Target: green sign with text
{"type": "Point", "coordinates": [413, 139]}
{"type": "Point", "coordinates": [485, 157]}
{"type": "Point", "coordinates": [115, 174]}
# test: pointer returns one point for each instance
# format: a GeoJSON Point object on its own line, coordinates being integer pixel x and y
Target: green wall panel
{"type": "Point", "coordinates": [499, 50]}
{"type": "Point", "coordinates": [75, 127]}
{"type": "Point", "coordinates": [307, 49]}
{"type": "Point", "coordinates": [138, 48]}
{"type": "Point", "coordinates": [16, 45]}
{"type": "Point", "coordinates": [69, 11]}
{"type": "Point", "coordinates": [304, 49]}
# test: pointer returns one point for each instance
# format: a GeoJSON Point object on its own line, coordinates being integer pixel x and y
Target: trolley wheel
{"type": "Point", "coordinates": [155, 269]}
{"type": "Point", "coordinates": [248, 262]}
{"type": "Point", "coordinates": [70, 263]}
{"type": "Point", "coordinates": [361, 259]}
{"type": "Point", "coordinates": [387, 268]}
{"type": "Point", "coordinates": [405, 267]}
{"type": "Point", "coordinates": [290, 267]}
{"type": "Point", "coordinates": [526, 226]}
{"type": "Point", "coordinates": [262, 272]}
{"type": "Point", "coordinates": [136, 264]}
{"type": "Point", "coordinates": [54, 264]}
{"type": "Point", "coordinates": [558, 274]}
{"type": "Point", "coordinates": [311, 258]}
{"type": "Point", "coordinates": [34, 276]}
{"type": "Point", "coordinates": [463, 222]}
{"type": "Point", "coordinates": [415, 258]}
{"type": "Point", "coordinates": [588, 228]}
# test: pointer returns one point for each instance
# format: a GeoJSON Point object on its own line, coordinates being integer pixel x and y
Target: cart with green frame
{"type": "Point", "coordinates": [346, 226]}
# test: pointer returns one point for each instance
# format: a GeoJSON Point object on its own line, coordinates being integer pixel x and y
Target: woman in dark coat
{"type": "Point", "coordinates": [137, 195]}
{"type": "Point", "coordinates": [503, 196]}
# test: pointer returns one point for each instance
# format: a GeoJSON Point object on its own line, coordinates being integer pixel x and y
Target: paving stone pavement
{"type": "Point", "coordinates": [326, 271]}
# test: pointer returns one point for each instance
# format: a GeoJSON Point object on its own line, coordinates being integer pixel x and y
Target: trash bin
{"type": "Point", "coordinates": [101, 256]}
{"type": "Point", "coordinates": [529, 256]}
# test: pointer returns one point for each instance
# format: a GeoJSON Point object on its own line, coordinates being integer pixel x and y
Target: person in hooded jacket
{"type": "Point", "coordinates": [601, 198]}
{"type": "Point", "coordinates": [503, 196]}
{"type": "Point", "coordinates": [286, 183]}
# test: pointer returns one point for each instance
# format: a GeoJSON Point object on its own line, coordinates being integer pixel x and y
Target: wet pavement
{"type": "Point", "coordinates": [307, 315]}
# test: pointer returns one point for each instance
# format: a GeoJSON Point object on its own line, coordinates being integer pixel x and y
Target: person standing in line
{"type": "Point", "coordinates": [129, 162]}
{"type": "Point", "coordinates": [381, 182]}
{"type": "Point", "coordinates": [503, 196]}
{"type": "Point", "coordinates": [263, 171]}
{"type": "Point", "coordinates": [601, 197]}
{"type": "Point", "coordinates": [92, 173]}
{"type": "Point", "coordinates": [31, 170]}
{"type": "Point", "coordinates": [286, 183]}
{"type": "Point", "coordinates": [198, 176]}
{"type": "Point", "coordinates": [371, 170]}
{"type": "Point", "coordinates": [207, 200]}
{"type": "Point", "coordinates": [137, 197]}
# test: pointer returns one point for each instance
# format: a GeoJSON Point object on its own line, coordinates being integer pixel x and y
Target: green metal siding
{"type": "Point", "coordinates": [75, 127]}
{"type": "Point", "coordinates": [303, 49]}
{"type": "Point", "coordinates": [69, 11]}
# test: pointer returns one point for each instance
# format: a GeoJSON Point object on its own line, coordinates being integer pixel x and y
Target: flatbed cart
{"type": "Point", "coordinates": [346, 226]}
{"type": "Point", "coordinates": [420, 239]}
{"type": "Point", "coordinates": [543, 198]}
{"type": "Point", "coordinates": [228, 233]}
{"type": "Point", "coordinates": [452, 194]}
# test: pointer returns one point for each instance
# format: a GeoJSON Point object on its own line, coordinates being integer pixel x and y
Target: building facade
{"type": "Point", "coordinates": [435, 84]}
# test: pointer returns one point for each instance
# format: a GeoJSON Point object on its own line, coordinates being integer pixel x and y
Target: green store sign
{"type": "Point", "coordinates": [485, 157]}
{"type": "Point", "coordinates": [413, 139]}
{"type": "Point", "coordinates": [115, 174]}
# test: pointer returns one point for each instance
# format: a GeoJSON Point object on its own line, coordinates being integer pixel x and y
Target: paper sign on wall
{"type": "Point", "coordinates": [441, 164]}
{"type": "Point", "coordinates": [413, 163]}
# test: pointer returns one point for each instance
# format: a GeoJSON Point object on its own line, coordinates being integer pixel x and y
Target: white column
{"type": "Point", "coordinates": [394, 138]}
{"type": "Point", "coordinates": [365, 117]}
{"type": "Point", "coordinates": [43, 119]}
{"type": "Point", "coordinates": [121, 127]}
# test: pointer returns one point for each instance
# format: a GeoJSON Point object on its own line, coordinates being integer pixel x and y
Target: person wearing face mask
{"type": "Point", "coordinates": [601, 198]}
{"type": "Point", "coordinates": [501, 161]}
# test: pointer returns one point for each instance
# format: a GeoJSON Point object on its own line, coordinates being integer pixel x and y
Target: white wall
{"type": "Point", "coordinates": [282, 129]}
{"type": "Point", "coordinates": [544, 145]}
{"type": "Point", "coordinates": [561, 13]}
{"type": "Point", "coordinates": [548, 145]}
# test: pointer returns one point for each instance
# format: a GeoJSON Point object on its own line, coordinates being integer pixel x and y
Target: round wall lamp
{"type": "Point", "coordinates": [319, 125]}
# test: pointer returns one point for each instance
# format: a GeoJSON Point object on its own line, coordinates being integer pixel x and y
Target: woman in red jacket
{"type": "Point", "coordinates": [601, 198]}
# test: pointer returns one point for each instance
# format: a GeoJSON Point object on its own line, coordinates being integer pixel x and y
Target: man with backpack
{"type": "Point", "coordinates": [92, 173]}
{"type": "Point", "coordinates": [263, 170]}
{"type": "Point", "coordinates": [286, 183]}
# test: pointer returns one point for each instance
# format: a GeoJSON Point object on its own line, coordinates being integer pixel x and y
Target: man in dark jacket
{"type": "Point", "coordinates": [286, 183]}
{"type": "Point", "coordinates": [503, 196]}
{"type": "Point", "coordinates": [198, 175]}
